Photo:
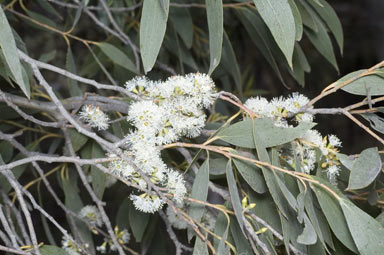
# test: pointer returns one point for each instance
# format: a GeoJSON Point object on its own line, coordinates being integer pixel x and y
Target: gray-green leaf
{"type": "Point", "coordinates": [50, 249]}
{"type": "Point", "coordinates": [366, 85]}
{"type": "Point", "coordinates": [153, 24]}
{"type": "Point", "coordinates": [240, 133]}
{"type": "Point", "coordinates": [335, 217]}
{"type": "Point", "coordinates": [200, 191]}
{"type": "Point", "coordinates": [277, 14]}
{"type": "Point", "coordinates": [366, 231]}
{"type": "Point", "coordinates": [365, 169]}
{"type": "Point", "coordinates": [215, 27]}
{"type": "Point", "coordinates": [8, 45]}
{"type": "Point", "coordinates": [234, 193]}
{"type": "Point", "coordinates": [117, 56]}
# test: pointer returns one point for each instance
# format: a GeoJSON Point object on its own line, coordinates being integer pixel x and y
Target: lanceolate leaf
{"type": "Point", "coordinates": [298, 21]}
{"type": "Point", "coordinates": [252, 24]}
{"type": "Point", "coordinates": [375, 120]}
{"type": "Point", "coordinates": [117, 56]}
{"type": "Point", "coordinates": [366, 85]}
{"type": "Point", "coordinates": [215, 27]}
{"type": "Point", "coordinates": [277, 14]}
{"type": "Point", "coordinates": [153, 24]}
{"type": "Point", "coordinates": [365, 169]}
{"type": "Point", "coordinates": [50, 249]}
{"type": "Point", "coordinates": [251, 174]}
{"type": "Point", "coordinates": [181, 18]}
{"type": "Point", "coordinates": [8, 45]}
{"type": "Point", "coordinates": [200, 191]}
{"type": "Point", "coordinates": [329, 16]}
{"type": "Point", "coordinates": [229, 62]}
{"type": "Point", "coordinates": [233, 191]}
{"type": "Point", "coordinates": [98, 177]}
{"type": "Point", "coordinates": [138, 222]}
{"type": "Point", "coordinates": [70, 64]}
{"type": "Point", "coordinates": [366, 232]}
{"type": "Point", "coordinates": [335, 217]}
{"type": "Point", "coordinates": [322, 42]}
{"type": "Point", "coordinates": [240, 134]}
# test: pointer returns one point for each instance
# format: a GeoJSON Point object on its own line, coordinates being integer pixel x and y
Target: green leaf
{"type": "Point", "coordinates": [308, 236]}
{"type": "Point", "coordinates": [200, 191]}
{"type": "Point", "coordinates": [241, 243]}
{"type": "Point", "coordinates": [153, 24]}
{"type": "Point", "coordinates": [251, 175]}
{"type": "Point", "coordinates": [50, 249]}
{"type": "Point", "coordinates": [47, 57]}
{"type": "Point", "coordinates": [200, 247]}
{"type": "Point", "coordinates": [367, 85]}
{"type": "Point", "coordinates": [138, 222]}
{"type": "Point", "coordinates": [335, 217]}
{"type": "Point", "coordinates": [122, 216]}
{"type": "Point", "coordinates": [377, 122]}
{"type": "Point", "coordinates": [217, 166]}
{"type": "Point", "coordinates": [8, 45]}
{"type": "Point", "coordinates": [300, 65]}
{"type": "Point", "coordinates": [98, 177]}
{"type": "Point", "coordinates": [366, 232]}
{"type": "Point", "coordinates": [229, 62]}
{"type": "Point", "coordinates": [330, 18]}
{"type": "Point", "coordinates": [235, 198]}
{"type": "Point", "coordinates": [19, 170]}
{"type": "Point", "coordinates": [306, 16]}
{"type": "Point", "coordinates": [6, 151]}
{"type": "Point", "coordinates": [73, 202]}
{"type": "Point", "coordinates": [72, 84]}
{"type": "Point", "coordinates": [181, 18]}
{"type": "Point", "coordinates": [117, 56]}
{"type": "Point", "coordinates": [49, 8]}
{"type": "Point", "coordinates": [223, 248]}
{"type": "Point", "coordinates": [270, 135]}
{"type": "Point", "coordinates": [215, 27]}
{"type": "Point", "coordinates": [277, 14]}
{"type": "Point", "coordinates": [322, 42]}
{"type": "Point", "coordinates": [365, 169]}
{"type": "Point", "coordinates": [78, 140]}
{"type": "Point", "coordinates": [255, 28]}
{"type": "Point", "coordinates": [298, 21]}
{"type": "Point", "coordinates": [221, 226]}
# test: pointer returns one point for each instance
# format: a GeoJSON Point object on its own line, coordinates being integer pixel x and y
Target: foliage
{"type": "Point", "coordinates": [174, 166]}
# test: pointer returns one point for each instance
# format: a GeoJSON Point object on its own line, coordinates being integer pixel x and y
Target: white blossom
{"type": "Point", "coordinates": [295, 102]}
{"type": "Point", "coordinates": [146, 203]}
{"type": "Point", "coordinates": [334, 141]}
{"type": "Point", "coordinates": [314, 137]}
{"type": "Point", "coordinates": [332, 172]}
{"type": "Point", "coordinates": [176, 185]}
{"type": "Point", "coordinates": [259, 105]}
{"type": "Point", "coordinates": [92, 215]}
{"type": "Point", "coordinates": [69, 246]}
{"type": "Point", "coordinates": [94, 117]}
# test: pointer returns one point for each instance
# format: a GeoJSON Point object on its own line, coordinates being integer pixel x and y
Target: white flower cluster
{"type": "Point", "coordinates": [279, 109]}
{"type": "Point", "coordinates": [92, 215]}
{"type": "Point", "coordinates": [94, 117]}
{"type": "Point", "coordinates": [122, 236]}
{"type": "Point", "coordinates": [168, 111]}
{"type": "Point", "coordinates": [328, 147]}
{"type": "Point", "coordinates": [69, 246]}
